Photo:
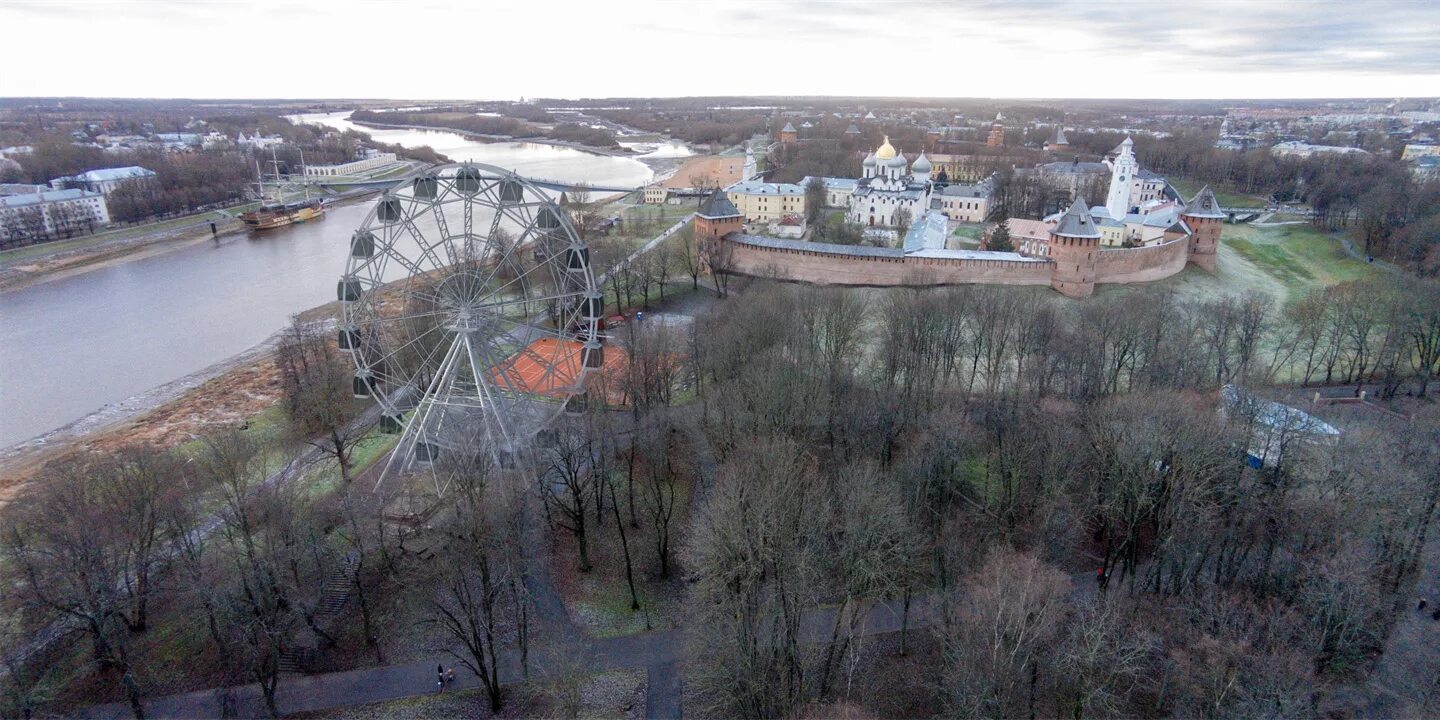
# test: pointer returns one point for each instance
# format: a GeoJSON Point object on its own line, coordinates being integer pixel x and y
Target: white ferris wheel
{"type": "Point", "coordinates": [471, 311]}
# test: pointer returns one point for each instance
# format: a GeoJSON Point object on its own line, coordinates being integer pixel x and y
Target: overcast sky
{"type": "Point", "coordinates": [596, 48]}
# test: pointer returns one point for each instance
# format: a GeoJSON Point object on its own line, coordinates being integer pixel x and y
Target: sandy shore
{"type": "Point", "coordinates": [223, 395]}
{"type": "Point", "coordinates": [719, 170]}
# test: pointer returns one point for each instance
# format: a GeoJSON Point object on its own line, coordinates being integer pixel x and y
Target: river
{"type": "Point", "coordinates": [71, 347]}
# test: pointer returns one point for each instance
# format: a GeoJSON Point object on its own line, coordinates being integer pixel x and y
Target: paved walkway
{"type": "Point", "coordinates": [658, 653]}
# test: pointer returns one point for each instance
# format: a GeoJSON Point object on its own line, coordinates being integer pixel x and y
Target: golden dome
{"type": "Point", "coordinates": [886, 151]}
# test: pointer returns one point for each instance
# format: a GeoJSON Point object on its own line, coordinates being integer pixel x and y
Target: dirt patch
{"type": "Point", "coordinates": [719, 170]}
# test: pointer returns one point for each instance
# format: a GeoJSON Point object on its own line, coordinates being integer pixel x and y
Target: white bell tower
{"type": "Point", "coordinates": [1122, 179]}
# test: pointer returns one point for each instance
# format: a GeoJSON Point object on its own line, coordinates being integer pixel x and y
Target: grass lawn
{"type": "Point", "coordinates": [1188, 188]}
{"type": "Point", "coordinates": [1282, 262]}
{"type": "Point", "coordinates": [970, 231]}
{"type": "Point", "coordinates": [666, 212]}
{"type": "Point", "coordinates": [1299, 256]}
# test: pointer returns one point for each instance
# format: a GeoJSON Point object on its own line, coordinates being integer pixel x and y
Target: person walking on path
{"type": "Point", "coordinates": [439, 678]}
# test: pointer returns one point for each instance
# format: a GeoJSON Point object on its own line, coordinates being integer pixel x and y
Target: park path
{"type": "Point", "coordinates": [1354, 252]}
{"type": "Point", "coordinates": [659, 653]}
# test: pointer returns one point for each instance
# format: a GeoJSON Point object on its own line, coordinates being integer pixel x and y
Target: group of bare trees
{"type": "Point", "coordinates": [1046, 475]}
{"type": "Point", "coordinates": [234, 553]}
{"type": "Point", "coordinates": [1385, 331]}
{"type": "Point", "coordinates": [233, 543]}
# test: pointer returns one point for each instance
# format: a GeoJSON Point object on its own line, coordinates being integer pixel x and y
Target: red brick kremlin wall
{"type": "Point", "coordinates": [1129, 265]}
{"type": "Point", "coordinates": [829, 269]}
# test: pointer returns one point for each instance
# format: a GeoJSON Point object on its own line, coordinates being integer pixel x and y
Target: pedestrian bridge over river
{"type": "Point", "coordinates": [339, 182]}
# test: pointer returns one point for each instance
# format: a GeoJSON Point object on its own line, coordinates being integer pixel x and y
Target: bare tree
{"type": "Point", "coordinates": [1104, 659]}
{"type": "Point", "coordinates": [567, 486]}
{"type": "Point", "coordinates": [691, 259]}
{"type": "Point", "coordinates": [318, 398]}
{"type": "Point", "coordinates": [658, 492]}
{"type": "Point", "coordinates": [259, 602]}
{"type": "Point", "coordinates": [719, 258]}
{"type": "Point", "coordinates": [1421, 320]}
{"type": "Point", "coordinates": [484, 605]}
{"type": "Point", "coordinates": [143, 484]}
{"type": "Point", "coordinates": [583, 210]}
{"type": "Point", "coordinates": [66, 554]}
{"type": "Point", "coordinates": [999, 636]}
{"type": "Point", "coordinates": [870, 556]}
{"type": "Point", "coordinates": [756, 547]}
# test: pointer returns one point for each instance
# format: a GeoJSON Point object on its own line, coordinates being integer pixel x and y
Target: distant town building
{"type": "Point", "coordinates": [964, 202]}
{"type": "Point", "coordinates": [50, 213]}
{"type": "Point", "coordinates": [997, 132]}
{"type": "Point", "coordinates": [1058, 141]}
{"type": "Point", "coordinates": [930, 231]}
{"type": "Point", "coordinates": [1300, 149]}
{"type": "Point", "coordinates": [766, 202]}
{"type": "Point", "coordinates": [656, 194]}
{"type": "Point", "coordinates": [1426, 168]}
{"type": "Point", "coordinates": [258, 141]}
{"type": "Point", "coordinates": [7, 189]}
{"type": "Point", "coordinates": [837, 190]}
{"type": "Point", "coordinates": [1030, 237]}
{"type": "Point", "coordinates": [215, 141]}
{"type": "Point", "coordinates": [356, 167]}
{"type": "Point", "coordinates": [1240, 143]}
{"type": "Point", "coordinates": [1419, 150]}
{"type": "Point", "coordinates": [948, 167]}
{"type": "Point", "coordinates": [1074, 177]}
{"type": "Point", "coordinates": [177, 138]}
{"type": "Point", "coordinates": [104, 181]}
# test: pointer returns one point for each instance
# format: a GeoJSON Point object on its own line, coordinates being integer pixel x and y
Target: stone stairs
{"type": "Point", "coordinates": [300, 656]}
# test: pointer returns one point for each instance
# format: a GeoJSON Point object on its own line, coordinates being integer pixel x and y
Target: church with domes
{"type": "Point", "coordinates": [889, 183]}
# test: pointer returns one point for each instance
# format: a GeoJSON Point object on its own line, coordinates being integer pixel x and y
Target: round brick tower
{"type": "Point", "coordinates": [1204, 216]}
{"type": "Point", "coordinates": [1075, 247]}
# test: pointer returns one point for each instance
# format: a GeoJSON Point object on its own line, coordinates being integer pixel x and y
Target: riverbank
{"type": "Point", "coordinates": [228, 394]}
{"type": "Point", "coordinates": [69, 258]}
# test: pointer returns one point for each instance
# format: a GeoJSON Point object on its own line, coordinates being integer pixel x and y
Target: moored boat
{"type": "Point", "coordinates": [274, 216]}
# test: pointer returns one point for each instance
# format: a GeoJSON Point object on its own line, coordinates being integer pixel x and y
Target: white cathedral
{"type": "Point", "coordinates": [888, 184]}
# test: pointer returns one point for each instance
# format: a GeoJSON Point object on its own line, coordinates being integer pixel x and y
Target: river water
{"type": "Point", "coordinates": [71, 347]}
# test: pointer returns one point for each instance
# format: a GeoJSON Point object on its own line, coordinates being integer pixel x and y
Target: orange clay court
{"type": "Point", "coordinates": [526, 370]}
